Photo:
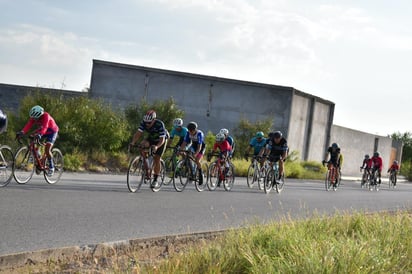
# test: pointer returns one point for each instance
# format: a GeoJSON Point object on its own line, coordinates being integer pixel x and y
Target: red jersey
{"type": "Point", "coordinates": [367, 163]}
{"type": "Point", "coordinates": [46, 125]}
{"type": "Point", "coordinates": [394, 167]}
{"type": "Point", "coordinates": [223, 146]}
{"type": "Point", "coordinates": [377, 162]}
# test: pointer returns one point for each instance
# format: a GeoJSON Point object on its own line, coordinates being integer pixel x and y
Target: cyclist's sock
{"type": "Point", "coordinates": [51, 164]}
{"type": "Point", "coordinates": [200, 176]}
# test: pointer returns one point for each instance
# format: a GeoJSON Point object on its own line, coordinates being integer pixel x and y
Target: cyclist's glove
{"type": "Point", "coordinates": [19, 134]}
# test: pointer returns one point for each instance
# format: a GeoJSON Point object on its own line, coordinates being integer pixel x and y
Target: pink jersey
{"type": "Point", "coordinates": [46, 124]}
{"type": "Point", "coordinates": [223, 146]}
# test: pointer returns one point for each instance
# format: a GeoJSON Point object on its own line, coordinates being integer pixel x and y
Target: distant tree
{"type": "Point", "coordinates": [406, 138]}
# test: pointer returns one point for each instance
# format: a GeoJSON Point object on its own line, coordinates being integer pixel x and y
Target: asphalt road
{"type": "Point", "coordinates": [92, 208]}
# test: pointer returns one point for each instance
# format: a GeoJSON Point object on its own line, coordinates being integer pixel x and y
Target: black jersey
{"type": "Point", "coordinates": [156, 132]}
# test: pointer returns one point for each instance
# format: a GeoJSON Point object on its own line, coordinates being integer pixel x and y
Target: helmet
{"type": "Point", "coordinates": [277, 134]}
{"type": "Point", "coordinates": [192, 126]}
{"type": "Point", "coordinates": [224, 131]}
{"type": "Point", "coordinates": [395, 162]}
{"type": "Point", "coordinates": [149, 116]}
{"type": "Point", "coordinates": [335, 145]}
{"type": "Point", "coordinates": [376, 154]}
{"type": "Point", "coordinates": [259, 134]}
{"type": "Point", "coordinates": [220, 137]}
{"type": "Point", "coordinates": [367, 156]}
{"type": "Point", "coordinates": [177, 122]}
{"type": "Point", "coordinates": [36, 112]}
{"type": "Point", "coordinates": [3, 121]}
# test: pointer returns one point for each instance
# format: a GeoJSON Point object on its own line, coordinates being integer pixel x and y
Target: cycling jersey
{"type": "Point", "coordinates": [223, 146]}
{"type": "Point", "coordinates": [257, 145]}
{"type": "Point", "coordinates": [196, 140]}
{"type": "Point", "coordinates": [334, 155]}
{"type": "Point", "coordinates": [394, 167]}
{"type": "Point", "coordinates": [367, 163]}
{"type": "Point", "coordinates": [46, 125]}
{"type": "Point", "coordinates": [231, 142]}
{"type": "Point", "coordinates": [181, 133]}
{"type": "Point", "coordinates": [277, 149]}
{"type": "Point", "coordinates": [156, 132]}
{"type": "Point", "coordinates": [377, 163]}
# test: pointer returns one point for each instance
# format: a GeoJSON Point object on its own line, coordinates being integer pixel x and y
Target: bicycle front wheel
{"type": "Point", "coordinates": [169, 170]}
{"type": "Point", "coordinates": [6, 165]}
{"type": "Point", "coordinates": [252, 176]}
{"type": "Point", "coordinates": [183, 174]}
{"type": "Point", "coordinates": [269, 180]}
{"type": "Point", "coordinates": [213, 177]}
{"type": "Point", "coordinates": [23, 168]}
{"type": "Point", "coordinates": [200, 186]}
{"type": "Point", "coordinates": [280, 183]}
{"type": "Point", "coordinates": [160, 178]}
{"type": "Point", "coordinates": [135, 174]}
{"type": "Point", "coordinates": [58, 161]}
{"type": "Point", "coordinates": [230, 178]}
{"type": "Point", "coordinates": [328, 182]}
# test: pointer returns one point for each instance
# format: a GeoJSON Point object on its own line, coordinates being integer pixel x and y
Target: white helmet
{"type": "Point", "coordinates": [177, 122]}
{"type": "Point", "coordinates": [149, 116]}
{"type": "Point", "coordinates": [36, 112]}
{"type": "Point", "coordinates": [220, 137]}
{"type": "Point", "coordinates": [224, 131]}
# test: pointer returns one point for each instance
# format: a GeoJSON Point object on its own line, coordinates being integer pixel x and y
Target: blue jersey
{"type": "Point", "coordinates": [195, 140]}
{"type": "Point", "coordinates": [257, 145]}
{"type": "Point", "coordinates": [182, 133]}
{"type": "Point", "coordinates": [231, 141]}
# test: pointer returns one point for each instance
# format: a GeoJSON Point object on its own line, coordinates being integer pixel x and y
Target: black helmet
{"type": "Point", "coordinates": [335, 145]}
{"type": "Point", "coordinates": [376, 154]}
{"type": "Point", "coordinates": [192, 126]}
{"type": "Point", "coordinates": [277, 134]}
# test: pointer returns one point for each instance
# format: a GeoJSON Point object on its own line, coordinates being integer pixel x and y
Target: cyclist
{"type": "Point", "coordinates": [225, 149]}
{"type": "Point", "coordinates": [257, 143]}
{"type": "Point", "coordinates": [3, 121]}
{"type": "Point", "coordinates": [178, 130]}
{"type": "Point", "coordinates": [367, 163]}
{"type": "Point", "coordinates": [196, 139]}
{"type": "Point", "coordinates": [230, 139]}
{"type": "Point", "coordinates": [47, 128]}
{"type": "Point", "coordinates": [377, 164]}
{"type": "Point", "coordinates": [394, 168]}
{"type": "Point", "coordinates": [156, 139]}
{"type": "Point", "coordinates": [277, 148]}
{"type": "Point", "coordinates": [334, 159]}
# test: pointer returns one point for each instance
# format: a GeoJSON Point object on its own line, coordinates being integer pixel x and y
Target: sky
{"type": "Point", "coordinates": [357, 54]}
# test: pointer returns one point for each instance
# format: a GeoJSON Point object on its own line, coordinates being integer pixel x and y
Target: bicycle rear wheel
{"type": "Point", "coordinates": [169, 170]}
{"type": "Point", "coordinates": [269, 180]}
{"type": "Point", "coordinates": [6, 165]}
{"type": "Point", "coordinates": [160, 178]}
{"type": "Point", "coordinates": [135, 174]}
{"type": "Point", "coordinates": [213, 177]}
{"type": "Point", "coordinates": [328, 182]}
{"type": "Point", "coordinates": [229, 178]}
{"type": "Point", "coordinates": [23, 168]}
{"type": "Point", "coordinates": [183, 175]}
{"type": "Point", "coordinates": [58, 161]}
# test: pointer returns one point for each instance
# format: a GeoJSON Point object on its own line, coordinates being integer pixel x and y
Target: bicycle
{"type": "Point", "coordinates": [170, 165]}
{"type": "Point", "coordinates": [255, 173]}
{"type": "Point", "coordinates": [374, 182]}
{"type": "Point", "coordinates": [332, 177]}
{"type": "Point", "coordinates": [271, 181]}
{"type": "Point", "coordinates": [186, 170]}
{"type": "Point", "coordinates": [392, 178]}
{"type": "Point", "coordinates": [220, 173]}
{"type": "Point", "coordinates": [365, 177]}
{"type": "Point", "coordinates": [140, 170]}
{"type": "Point", "coordinates": [29, 159]}
{"type": "Point", "coordinates": [6, 165]}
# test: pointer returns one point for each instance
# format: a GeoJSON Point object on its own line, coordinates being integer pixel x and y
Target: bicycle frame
{"type": "Point", "coordinates": [186, 170]}
{"type": "Point", "coordinates": [222, 171]}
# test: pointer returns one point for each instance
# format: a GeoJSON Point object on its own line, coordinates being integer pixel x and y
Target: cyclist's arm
{"type": "Point", "coordinates": [136, 137]}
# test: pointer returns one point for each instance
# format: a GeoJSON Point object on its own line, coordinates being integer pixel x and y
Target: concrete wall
{"type": "Point", "coordinates": [210, 101]}
{"type": "Point", "coordinates": [11, 95]}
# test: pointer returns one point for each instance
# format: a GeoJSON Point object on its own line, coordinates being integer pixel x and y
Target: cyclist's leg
{"type": "Point", "coordinates": [50, 139]}
{"type": "Point", "coordinates": [156, 159]}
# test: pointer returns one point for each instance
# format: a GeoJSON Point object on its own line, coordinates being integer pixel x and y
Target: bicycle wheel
{"type": "Point", "coordinates": [392, 181]}
{"type": "Point", "coordinates": [269, 180]}
{"type": "Point", "coordinates": [58, 161]}
{"type": "Point", "coordinates": [183, 174]}
{"type": "Point", "coordinates": [280, 183]}
{"type": "Point", "coordinates": [6, 165]}
{"type": "Point", "coordinates": [135, 174]}
{"type": "Point", "coordinates": [230, 178]}
{"type": "Point", "coordinates": [252, 175]}
{"type": "Point", "coordinates": [169, 170]}
{"type": "Point", "coordinates": [261, 177]}
{"type": "Point", "coordinates": [328, 183]}
{"type": "Point", "coordinates": [364, 179]}
{"type": "Point", "coordinates": [202, 186]}
{"type": "Point", "coordinates": [23, 168]}
{"type": "Point", "coordinates": [213, 177]}
{"type": "Point", "coordinates": [160, 178]}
